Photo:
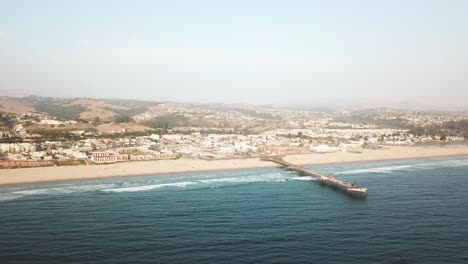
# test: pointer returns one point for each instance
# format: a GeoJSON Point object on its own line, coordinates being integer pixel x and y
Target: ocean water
{"type": "Point", "coordinates": [416, 212]}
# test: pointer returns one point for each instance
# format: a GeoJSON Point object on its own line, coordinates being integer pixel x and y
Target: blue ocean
{"type": "Point", "coordinates": [416, 212]}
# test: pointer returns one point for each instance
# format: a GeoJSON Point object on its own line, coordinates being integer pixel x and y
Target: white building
{"type": "Point", "coordinates": [324, 149]}
{"type": "Point", "coordinates": [51, 122]}
{"type": "Point", "coordinates": [154, 136]}
{"type": "Point", "coordinates": [353, 147]}
{"type": "Point", "coordinates": [103, 157]}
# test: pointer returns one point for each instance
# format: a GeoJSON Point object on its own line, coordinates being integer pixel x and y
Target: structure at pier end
{"type": "Point", "coordinates": [332, 181]}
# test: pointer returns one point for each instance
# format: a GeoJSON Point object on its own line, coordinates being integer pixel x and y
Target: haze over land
{"type": "Point", "coordinates": [116, 81]}
{"type": "Point", "coordinates": [393, 53]}
{"type": "Point", "coordinates": [216, 131]}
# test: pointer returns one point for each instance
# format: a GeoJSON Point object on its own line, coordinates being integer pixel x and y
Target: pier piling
{"type": "Point", "coordinates": [348, 188]}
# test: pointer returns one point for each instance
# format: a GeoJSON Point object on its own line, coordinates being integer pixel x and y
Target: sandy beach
{"type": "Point", "coordinates": [50, 174]}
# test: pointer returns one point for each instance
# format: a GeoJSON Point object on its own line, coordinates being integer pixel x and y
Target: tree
{"type": "Point", "coordinates": [79, 120]}
{"type": "Point", "coordinates": [97, 120]}
{"type": "Point", "coordinates": [123, 119]}
{"type": "Point", "coordinates": [3, 156]}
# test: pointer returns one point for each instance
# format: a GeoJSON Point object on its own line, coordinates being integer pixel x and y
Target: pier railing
{"type": "Point", "coordinates": [348, 188]}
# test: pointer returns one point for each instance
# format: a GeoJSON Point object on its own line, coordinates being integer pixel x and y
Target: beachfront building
{"type": "Point", "coordinates": [103, 157]}
{"type": "Point", "coordinates": [352, 147]}
{"type": "Point", "coordinates": [323, 148]}
{"type": "Point", "coordinates": [17, 148]}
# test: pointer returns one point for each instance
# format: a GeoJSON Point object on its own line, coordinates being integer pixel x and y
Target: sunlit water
{"type": "Point", "coordinates": [416, 212]}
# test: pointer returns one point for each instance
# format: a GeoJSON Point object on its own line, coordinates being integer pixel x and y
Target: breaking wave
{"type": "Point", "coordinates": [64, 190]}
{"type": "Point", "coordinates": [387, 169]}
{"type": "Point", "coordinates": [138, 185]}
{"type": "Point", "coordinates": [202, 181]}
{"type": "Point", "coordinates": [278, 177]}
{"type": "Point", "coordinates": [211, 183]}
{"type": "Point", "coordinates": [304, 178]}
{"type": "Point", "coordinates": [9, 196]}
{"type": "Point", "coordinates": [149, 187]}
{"type": "Point", "coordinates": [455, 163]}
{"type": "Point", "coordinates": [13, 193]}
{"type": "Point", "coordinates": [412, 167]}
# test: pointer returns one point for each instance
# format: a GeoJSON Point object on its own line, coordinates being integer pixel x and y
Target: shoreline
{"type": "Point", "coordinates": [389, 159]}
{"type": "Point", "coordinates": [167, 167]}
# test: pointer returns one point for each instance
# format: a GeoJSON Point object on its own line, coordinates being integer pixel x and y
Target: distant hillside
{"type": "Point", "coordinates": [15, 105]}
{"type": "Point", "coordinates": [75, 108]}
{"type": "Point", "coordinates": [152, 114]}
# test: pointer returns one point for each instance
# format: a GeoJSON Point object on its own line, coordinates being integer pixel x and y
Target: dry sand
{"type": "Point", "coordinates": [48, 174]}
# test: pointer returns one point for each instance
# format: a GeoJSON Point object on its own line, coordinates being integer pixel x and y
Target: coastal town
{"type": "Point", "coordinates": [97, 134]}
{"type": "Point", "coordinates": [209, 131]}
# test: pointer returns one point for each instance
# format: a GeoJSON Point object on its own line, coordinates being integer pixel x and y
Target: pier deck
{"type": "Point", "coordinates": [346, 187]}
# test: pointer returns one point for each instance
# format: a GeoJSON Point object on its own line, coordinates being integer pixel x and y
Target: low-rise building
{"type": "Point", "coordinates": [103, 157]}
{"type": "Point", "coordinates": [323, 148]}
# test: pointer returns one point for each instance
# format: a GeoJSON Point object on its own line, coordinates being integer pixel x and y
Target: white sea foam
{"type": "Point", "coordinates": [247, 179]}
{"type": "Point", "coordinates": [136, 186]}
{"type": "Point", "coordinates": [456, 163]}
{"type": "Point", "coordinates": [231, 180]}
{"type": "Point", "coordinates": [15, 193]}
{"type": "Point", "coordinates": [33, 192]}
{"type": "Point", "coordinates": [64, 190]}
{"type": "Point", "coordinates": [149, 187]}
{"type": "Point", "coordinates": [387, 169]}
{"type": "Point", "coordinates": [9, 196]}
{"type": "Point", "coordinates": [216, 182]}
{"type": "Point", "coordinates": [418, 166]}
{"type": "Point", "coordinates": [304, 178]}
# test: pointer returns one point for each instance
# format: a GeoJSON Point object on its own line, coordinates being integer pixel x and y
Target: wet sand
{"type": "Point", "coordinates": [51, 174]}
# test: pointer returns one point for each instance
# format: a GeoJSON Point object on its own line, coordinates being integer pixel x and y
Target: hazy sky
{"type": "Point", "coordinates": [237, 51]}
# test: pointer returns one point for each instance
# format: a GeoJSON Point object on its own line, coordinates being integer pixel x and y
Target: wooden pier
{"type": "Point", "coordinates": [348, 188]}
